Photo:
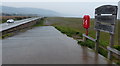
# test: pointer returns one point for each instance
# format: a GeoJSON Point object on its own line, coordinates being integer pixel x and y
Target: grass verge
{"type": "Point", "coordinates": [87, 43]}
{"type": "Point", "coordinates": [40, 23]}
{"type": "Point", "coordinates": [6, 35]}
{"type": "Point", "coordinates": [71, 32]}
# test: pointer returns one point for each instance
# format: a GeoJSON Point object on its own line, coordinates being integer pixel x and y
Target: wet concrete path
{"type": "Point", "coordinates": [46, 45]}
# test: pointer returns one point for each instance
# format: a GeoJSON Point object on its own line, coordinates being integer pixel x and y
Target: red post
{"type": "Point", "coordinates": [86, 31]}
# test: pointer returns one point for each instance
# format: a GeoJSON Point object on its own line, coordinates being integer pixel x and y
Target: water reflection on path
{"type": "Point", "coordinates": [46, 45]}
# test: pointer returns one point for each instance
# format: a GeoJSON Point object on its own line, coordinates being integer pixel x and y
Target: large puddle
{"type": "Point", "coordinates": [47, 45]}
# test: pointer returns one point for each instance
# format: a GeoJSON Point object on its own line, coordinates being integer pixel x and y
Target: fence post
{"type": "Point", "coordinates": [111, 45]}
{"type": "Point", "coordinates": [84, 38]}
{"type": "Point", "coordinates": [97, 40]}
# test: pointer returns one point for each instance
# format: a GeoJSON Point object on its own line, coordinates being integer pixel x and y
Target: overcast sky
{"type": "Point", "coordinates": [60, 0]}
{"type": "Point", "coordinates": [76, 8]}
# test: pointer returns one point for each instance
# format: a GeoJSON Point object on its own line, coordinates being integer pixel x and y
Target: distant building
{"type": "Point", "coordinates": [119, 10]}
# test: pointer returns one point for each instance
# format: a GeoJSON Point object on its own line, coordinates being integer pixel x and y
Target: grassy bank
{"type": "Point", "coordinates": [75, 24]}
{"type": "Point", "coordinates": [39, 23]}
{"type": "Point", "coordinates": [70, 31]}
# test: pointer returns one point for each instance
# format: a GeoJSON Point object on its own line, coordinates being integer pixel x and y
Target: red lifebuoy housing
{"type": "Point", "coordinates": [86, 21]}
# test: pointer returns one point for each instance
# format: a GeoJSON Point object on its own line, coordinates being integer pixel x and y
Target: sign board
{"type": "Point", "coordinates": [105, 17]}
{"type": "Point", "coordinates": [106, 9]}
{"type": "Point", "coordinates": [105, 28]}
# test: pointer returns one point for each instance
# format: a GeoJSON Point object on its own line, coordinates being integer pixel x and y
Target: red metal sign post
{"type": "Point", "coordinates": [86, 23]}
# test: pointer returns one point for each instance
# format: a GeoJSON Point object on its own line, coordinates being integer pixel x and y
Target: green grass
{"type": "Point", "coordinates": [91, 45]}
{"type": "Point", "coordinates": [39, 23]}
{"type": "Point", "coordinates": [87, 43]}
{"type": "Point", "coordinates": [6, 35]}
{"type": "Point", "coordinates": [76, 24]}
{"type": "Point", "coordinates": [117, 47]}
{"type": "Point", "coordinates": [103, 52]}
{"type": "Point", "coordinates": [69, 31]}
{"type": "Point", "coordinates": [3, 20]}
{"type": "Point", "coordinates": [118, 29]}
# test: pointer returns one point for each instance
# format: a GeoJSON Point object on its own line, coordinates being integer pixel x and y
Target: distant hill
{"type": "Point", "coordinates": [34, 11]}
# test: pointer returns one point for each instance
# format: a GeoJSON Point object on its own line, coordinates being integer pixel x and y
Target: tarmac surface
{"type": "Point", "coordinates": [46, 45]}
